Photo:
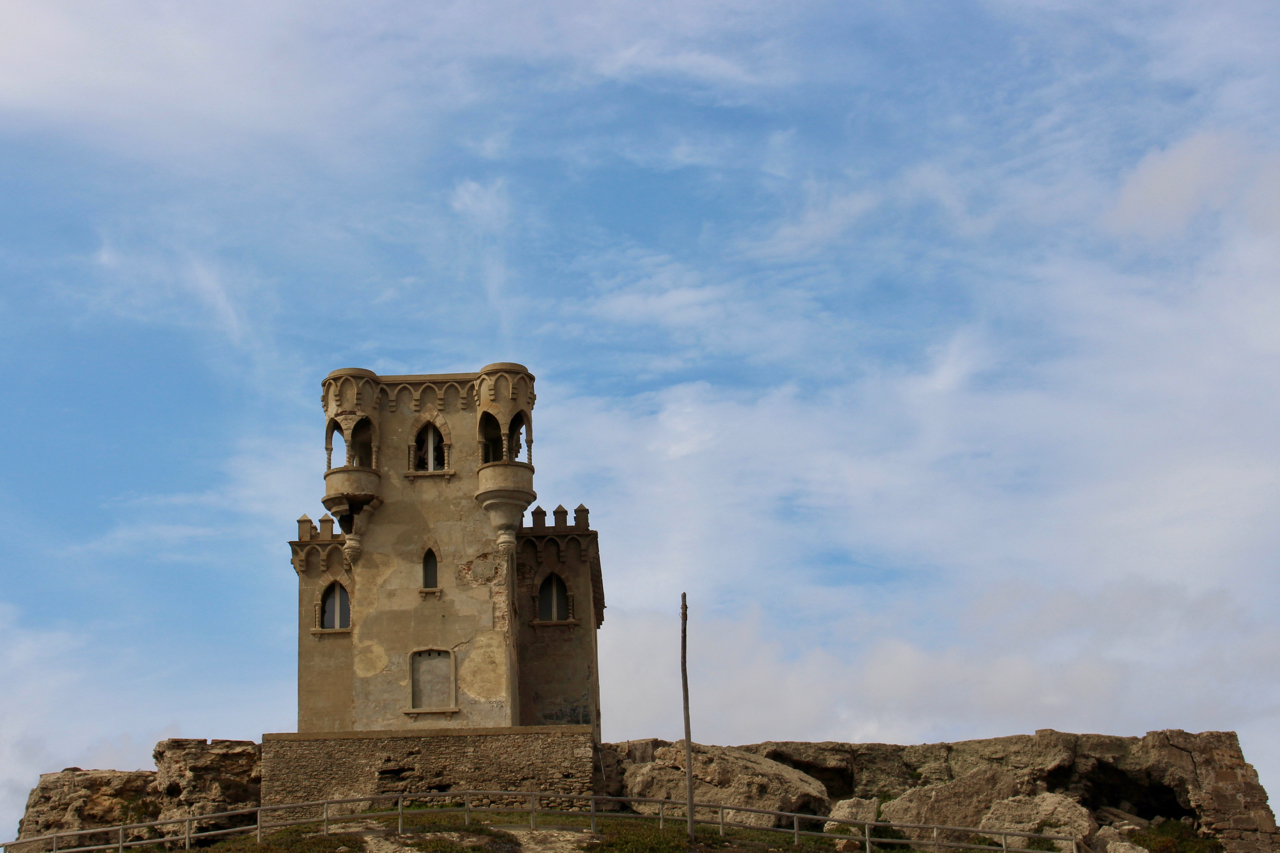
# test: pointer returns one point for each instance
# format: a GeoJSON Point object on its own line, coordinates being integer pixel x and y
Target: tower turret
{"type": "Point", "coordinates": [422, 610]}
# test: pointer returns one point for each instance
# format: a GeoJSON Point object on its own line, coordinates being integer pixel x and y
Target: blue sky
{"type": "Point", "coordinates": [932, 348]}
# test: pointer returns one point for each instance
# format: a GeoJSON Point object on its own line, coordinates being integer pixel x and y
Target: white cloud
{"type": "Point", "coordinates": [1168, 188]}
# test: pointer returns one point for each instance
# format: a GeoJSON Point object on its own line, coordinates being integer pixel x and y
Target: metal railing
{"type": "Point", "coordinates": [936, 837]}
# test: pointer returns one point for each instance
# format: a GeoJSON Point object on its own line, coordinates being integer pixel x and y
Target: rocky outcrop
{"type": "Point", "coordinates": [1169, 774]}
{"type": "Point", "coordinates": [724, 776]}
{"type": "Point", "coordinates": [1104, 790]}
{"type": "Point", "coordinates": [192, 778]}
{"type": "Point", "coordinates": [76, 799]}
{"type": "Point", "coordinates": [196, 778]}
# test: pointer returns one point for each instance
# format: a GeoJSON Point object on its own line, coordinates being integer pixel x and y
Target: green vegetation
{"type": "Point", "coordinates": [1174, 837]}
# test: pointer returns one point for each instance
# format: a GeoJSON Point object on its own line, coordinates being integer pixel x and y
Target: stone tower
{"type": "Point", "coordinates": [432, 606]}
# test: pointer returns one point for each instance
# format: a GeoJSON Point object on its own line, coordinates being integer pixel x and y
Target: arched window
{"type": "Point", "coordinates": [429, 580]}
{"type": "Point", "coordinates": [362, 444]}
{"type": "Point", "coordinates": [553, 600]}
{"type": "Point", "coordinates": [431, 671]}
{"type": "Point", "coordinates": [429, 455]}
{"type": "Point", "coordinates": [491, 438]}
{"type": "Point", "coordinates": [515, 436]}
{"type": "Point", "coordinates": [338, 448]}
{"type": "Point", "coordinates": [335, 607]}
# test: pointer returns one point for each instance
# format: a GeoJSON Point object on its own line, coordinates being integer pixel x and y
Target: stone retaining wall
{"type": "Point", "coordinates": [300, 768]}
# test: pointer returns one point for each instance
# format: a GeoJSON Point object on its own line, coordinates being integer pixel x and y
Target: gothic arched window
{"type": "Point", "coordinates": [490, 438]}
{"type": "Point", "coordinates": [553, 600]}
{"type": "Point", "coordinates": [429, 455]}
{"type": "Point", "coordinates": [515, 437]}
{"type": "Point", "coordinates": [335, 607]}
{"type": "Point", "coordinates": [361, 451]}
{"type": "Point", "coordinates": [429, 579]}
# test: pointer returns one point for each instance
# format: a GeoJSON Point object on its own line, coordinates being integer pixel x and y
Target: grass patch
{"type": "Point", "coordinates": [294, 839]}
{"type": "Point", "coordinates": [1174, 837]}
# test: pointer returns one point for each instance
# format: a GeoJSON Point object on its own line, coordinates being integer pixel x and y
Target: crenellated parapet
{"type": "Point", "coordinates": [569, 550]}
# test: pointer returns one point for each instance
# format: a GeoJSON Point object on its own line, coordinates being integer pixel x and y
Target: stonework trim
{"type": "Point", "coordinates": [426, 733]}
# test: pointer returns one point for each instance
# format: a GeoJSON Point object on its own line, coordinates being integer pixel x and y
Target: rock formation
{"type": "Point", "coordinates": [721, 775]}
{"type": "Point", "coordinates": [1104, 790]}
{"type": "Point", "coordinates": [192, 778]}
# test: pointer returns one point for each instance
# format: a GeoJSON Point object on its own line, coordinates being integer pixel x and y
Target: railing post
{"type": "Point", "coordinates": [722, 821]}
{"type": "Point", "coordinates": [593, 815]}
{"type": "Point", "coordinates": [55, 842]}
{"type": "Point", "coordinates": [326, 817]}
{"type": "Point", "coordinates": [935, 839]}
{"type": "Point", "coordinates": [533, 811]}
{"type": "Point", "coordinates": [662, 807]}
{"type": "Point", "coordinates": [400, 815]}
{"type": "Point", "coordinates": [1004, 843]}
{"type": "Point", "coordinates": [187, 840]}
{"type": "Point", "coordinates": [866, 836]}
{"type": "Point", "coordinates": [466, 809]}
{"type": "Point", "coordinates": [259, 815]}
{"type": "Point", "coordinates": [120, 840]}
{"type": "Point", "coordinates": [795, 826]}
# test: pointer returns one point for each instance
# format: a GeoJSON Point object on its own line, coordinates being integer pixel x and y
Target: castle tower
{"type": "Point", "coordinates": [430, 605]}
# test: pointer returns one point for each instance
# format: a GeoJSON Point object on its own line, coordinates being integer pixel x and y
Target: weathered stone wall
{"type": "Point", "coordinates": [305, 768]}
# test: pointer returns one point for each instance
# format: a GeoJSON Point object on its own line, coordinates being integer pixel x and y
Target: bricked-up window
{"type": "Point", "coordinates": [553, 599]}
{"type": "Point", "coordinates": [335, 607]}
{"type": "Point", "coordinates": [432, 671]}
{"type": "Point", "coordinates": [429, 580]}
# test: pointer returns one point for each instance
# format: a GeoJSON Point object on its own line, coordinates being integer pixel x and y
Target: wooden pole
{"type": "Point", "coordinates": [688, 738]}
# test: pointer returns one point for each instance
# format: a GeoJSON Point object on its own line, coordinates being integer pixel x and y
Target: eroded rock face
{"type": "Point", "coordinates": [85, 799]}
{"type": "Point", "coordinates": [725, 776]}
{"type": "Point", "coordinates": [196, 777]}
{"type": "Point", "coordinates": [192, 778]}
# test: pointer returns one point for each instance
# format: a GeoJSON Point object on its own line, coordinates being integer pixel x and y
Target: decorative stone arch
{"type": "Point", "coordinates": [428, 397]}
{"type": "Point", "coordinates": [393, 396]}
{"type": "Point", "coordinates": [564, 552]}
{"type": "Point", "coordinates": [305, 556]}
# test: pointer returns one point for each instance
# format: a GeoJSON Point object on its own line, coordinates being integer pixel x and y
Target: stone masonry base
{"type": "Point", "coordinates": [306, 767]}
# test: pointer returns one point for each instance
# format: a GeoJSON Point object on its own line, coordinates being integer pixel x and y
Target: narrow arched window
{"type": "Point", "coordinates": [429, 450]}
{"type": "Point", "coordinates": [335, 607]}
{"type": "Point", "coordinates": [553, 599]}
{"type": "Point", "coordinates": [337, 448]}
{"type": "Point", "coordinates": [362, 444]}
{"type": "Point", "coordinates": [429, 580]}
{"type": "Point", "coordinates": [490, 438]}
{"type": "Point", "coordinates": [514, 437]}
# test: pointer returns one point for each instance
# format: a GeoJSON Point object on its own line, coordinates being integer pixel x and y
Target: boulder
{"type": "Point", "coordinates": [1053, 814]}
{"type": "Point", "coordinates": [725, 776]}
{"type": "Point", "coordinates": [963, 802]}
{"type": "Point", "coordinates": [854, 808]}
{"type": "Point", "coordinates": [1109, 840]}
